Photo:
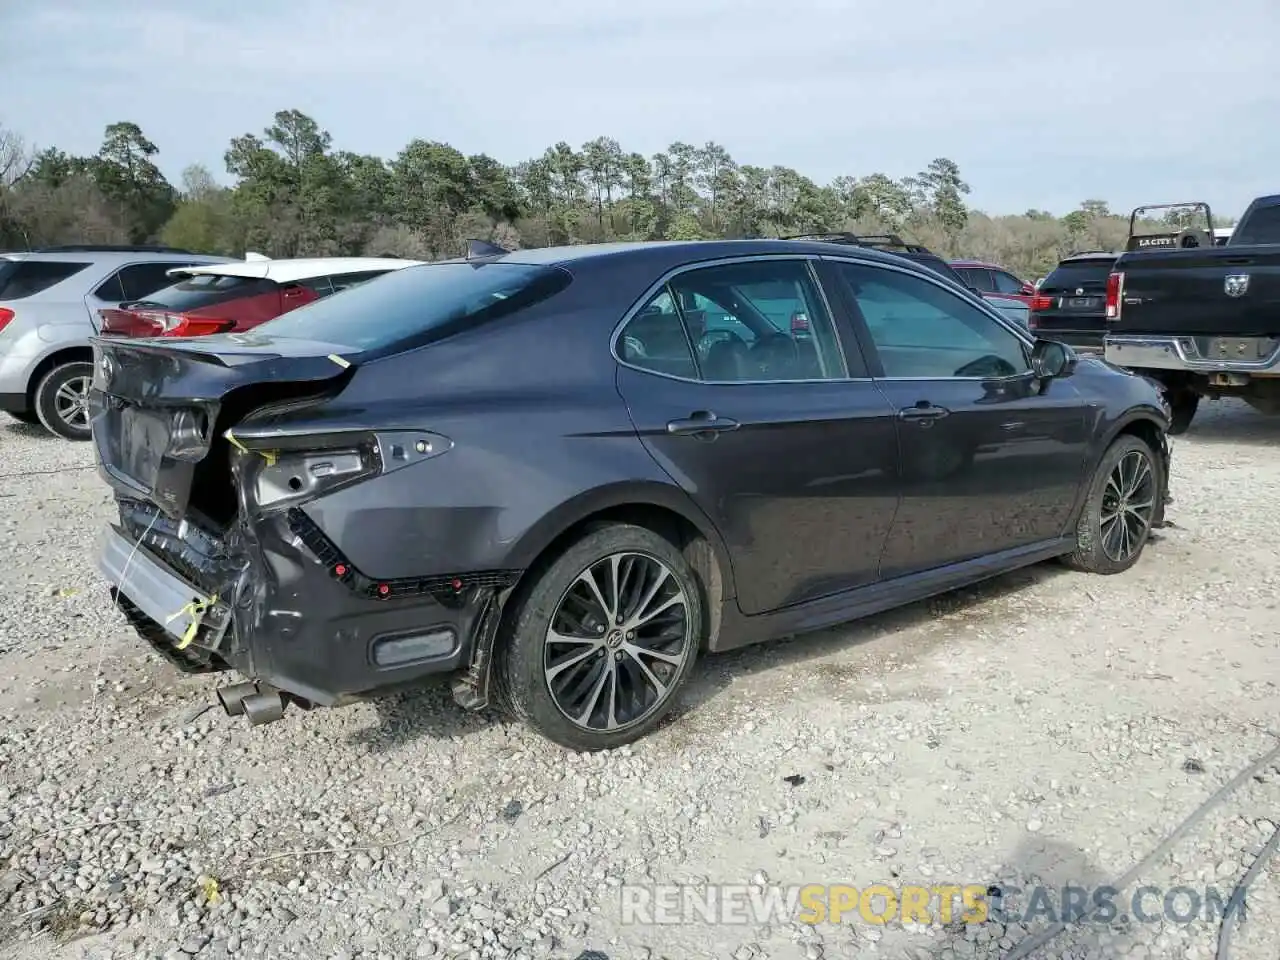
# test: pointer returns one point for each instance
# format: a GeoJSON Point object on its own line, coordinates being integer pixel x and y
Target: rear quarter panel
{"type": "Point", "coordinates": [541, 438]}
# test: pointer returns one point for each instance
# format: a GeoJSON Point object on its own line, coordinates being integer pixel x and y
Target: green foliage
{"type": "Point", "coordinates": [294, 194]}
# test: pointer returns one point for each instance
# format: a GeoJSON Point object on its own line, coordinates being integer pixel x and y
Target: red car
{"type": "Point", "coordinates": [991, 278]}
{"type": "Point", "coordinates": [237, 296]}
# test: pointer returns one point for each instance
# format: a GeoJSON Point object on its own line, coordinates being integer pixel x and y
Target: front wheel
{"type": "Point", "coordinates": [62, 400]}
{"type": "Point", "coordinates": [1123, 501]}
{"type": "Point", "coordinates": [603, 639]}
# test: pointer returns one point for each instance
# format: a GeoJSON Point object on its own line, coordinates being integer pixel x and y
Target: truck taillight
{"type": "Point", "coordinates": [1040, 302]}
{"type": "Point", "coordinates": [1115, 293]}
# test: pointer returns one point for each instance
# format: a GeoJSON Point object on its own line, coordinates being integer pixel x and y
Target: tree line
{"type": "Point", "coordinates": [294, 194]}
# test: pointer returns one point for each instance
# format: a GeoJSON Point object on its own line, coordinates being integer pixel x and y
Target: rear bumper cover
{"type": "Point", "coordinates": [1159, 352]}
{"type": "Point", "coordinates": [278, 614]}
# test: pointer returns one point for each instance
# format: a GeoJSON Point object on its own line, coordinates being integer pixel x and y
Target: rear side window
{"type": "Point", "coordinates": [205, 290]}
{"type": "Point", "coordinates": [1261, 226]}
{"type": "Point", "coordinates": [420, 303]}
{"type": "Point", "coordinates": [1090, 275]}
{"type": "Point", "coordinates": [24, 278]}
{"type": "Point", "coordinates": [136, 281]}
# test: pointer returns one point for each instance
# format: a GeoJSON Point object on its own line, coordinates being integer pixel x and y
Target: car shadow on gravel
{"type": "Point", "coordinates": [428, 712]}
{"type": "Point", "coordinates": [1037, 881]}
{"type": "Point", "coordinates": [27, 431]}
{"type": "Point", "coordinates": [963, 608]}
{"type": "Point", "coordinates": [1231, 423]}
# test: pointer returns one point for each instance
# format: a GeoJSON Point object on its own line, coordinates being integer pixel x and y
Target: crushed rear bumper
{"type": "Point", "coordinates": [275, 608]}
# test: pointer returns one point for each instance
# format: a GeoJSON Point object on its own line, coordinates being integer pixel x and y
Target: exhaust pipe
{"type": "Point", "coordinates": [263, 708]}
{"type": "Point", "coordinates": [232, 697]}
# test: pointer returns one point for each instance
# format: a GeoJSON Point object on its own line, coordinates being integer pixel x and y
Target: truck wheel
{"type": "Point", "coordinates": [1183, 405]}
{"type": "Point", "coordinates": [602, 639]}
{"type": "Point", "coordinates": [62, 400]}
{"type": "Point", "coordinates": [1123, 502]}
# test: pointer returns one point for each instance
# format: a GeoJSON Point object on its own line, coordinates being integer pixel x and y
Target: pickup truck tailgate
{"type": "Point", "coordinates": [1210, 291]}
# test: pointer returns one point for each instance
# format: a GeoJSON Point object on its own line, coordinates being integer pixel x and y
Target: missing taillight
{"type": "Point", "coordinates": [1115, 295]}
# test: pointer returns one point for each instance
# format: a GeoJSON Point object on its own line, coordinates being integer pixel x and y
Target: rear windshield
{"type": "Point", "coordinates": [205, 290]}
{"type": "Point", "coordinates": [1090, 274]}
{"type": "Point", "coordinates": [405, 305]}
{"type": "Point", "coordinates": [1261, 226]}
{"type": "Point", "coordinates": [22, 278]}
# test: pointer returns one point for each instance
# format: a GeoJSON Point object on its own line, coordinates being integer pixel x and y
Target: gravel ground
{"type": "Point", "coordinates": [1047, 727]}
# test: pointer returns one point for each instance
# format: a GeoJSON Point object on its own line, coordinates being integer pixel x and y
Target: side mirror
{"type": "Point", "coordinates": [1050, 358]}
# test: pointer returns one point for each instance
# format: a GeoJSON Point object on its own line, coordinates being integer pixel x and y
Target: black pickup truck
{"type": "Point", "coordinates": [1202, 319]}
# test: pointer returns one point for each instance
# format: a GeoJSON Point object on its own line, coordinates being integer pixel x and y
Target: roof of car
{"type": "Point", "coordinates": [982, 264]}
{"type": "Point", "coordinates": [680, 251]}
{"type": "Point", "coordinates": [1090, 255]}
{"type": "Point", "coordinates": [114, 256]}
{"type": "Point", "coordinates": [291, 271]}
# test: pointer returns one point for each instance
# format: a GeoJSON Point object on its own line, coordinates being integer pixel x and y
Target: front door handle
{"type": "Point", "coordinates": [701, 422]}
{"type": "Point", "coordinates": [923, 411]}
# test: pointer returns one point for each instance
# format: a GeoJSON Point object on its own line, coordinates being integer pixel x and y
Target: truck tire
{"type": "Point", "coordinates": [1183, 405]}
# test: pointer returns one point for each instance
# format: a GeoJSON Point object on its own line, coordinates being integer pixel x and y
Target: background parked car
{"type": "Point", "coordinates": [991, 278]}
{"type": "Point", "coordinates": [1070, 305]}
{"type": "Point", "coordinates": [49, 303]}
{"type": "Point", "coordinates": [234, 297]}
{"type": "Point", "coordinates": [1015, 308]}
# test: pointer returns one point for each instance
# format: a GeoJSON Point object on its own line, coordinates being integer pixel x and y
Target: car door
{"type": "Point", "coordinates": [741, 389]}
{"type": "Point", "coordinates": [992, 456]}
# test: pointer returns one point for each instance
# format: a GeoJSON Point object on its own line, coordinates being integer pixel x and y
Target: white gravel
{"type": "Point", "coordinates": [1048, 726]}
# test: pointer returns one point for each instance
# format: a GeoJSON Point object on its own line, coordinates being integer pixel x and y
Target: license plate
{"type": "Point", "coordinates": [1240, 348]}
{"type": "Point", "coordinates": [1082, 302]}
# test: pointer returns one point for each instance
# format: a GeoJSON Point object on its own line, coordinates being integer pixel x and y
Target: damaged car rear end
{"type": "Point", "coordinates": [259, 477]}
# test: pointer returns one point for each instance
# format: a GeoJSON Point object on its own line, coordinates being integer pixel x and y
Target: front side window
{"type": "Point", "coordinates": [923, 331]}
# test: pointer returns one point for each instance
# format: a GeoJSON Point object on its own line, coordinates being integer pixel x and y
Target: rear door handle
{"type": "Point", "coordinates": [923, 411]}
{"type": "Point", "coordinates": [701, 421]}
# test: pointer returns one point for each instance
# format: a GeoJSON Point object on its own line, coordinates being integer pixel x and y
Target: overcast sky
{"type": "Point", "coordinates": [1043, 103]}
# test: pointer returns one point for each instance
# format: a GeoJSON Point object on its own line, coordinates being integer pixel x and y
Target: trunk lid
{"type": "Point", "coordinates": [160, 409]}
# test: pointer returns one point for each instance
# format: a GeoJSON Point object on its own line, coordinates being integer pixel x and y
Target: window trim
{"type": "Point", "coordinates": [864, 334]}
{"type": "Point", "coordinates": [809, 261]}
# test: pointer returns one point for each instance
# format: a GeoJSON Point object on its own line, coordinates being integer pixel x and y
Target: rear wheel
{"type": "Point", "coordinates": [1123, 501]}
{"type": "Point", "coordinates": [1183, 405]}
{"type": "Point", "coordinates": [603, 639]}
{"type": "Point", "coordinates": [62, 400]}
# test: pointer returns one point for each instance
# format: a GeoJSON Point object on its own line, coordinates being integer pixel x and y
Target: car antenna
{"type": "Point", "coordinates": [479, 249]}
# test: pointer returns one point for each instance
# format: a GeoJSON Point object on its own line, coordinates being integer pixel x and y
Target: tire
{"type": "Point", "coordinates": [1183, 405]}
{"type": "Point", "coordinates": [1096, 552]}
{"type": "Point", "coordinates": [25, 416]}
{"type": "Point", "coordinates": [607, 663]}
{"type": "Point", "coordinates": [53, 403]}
